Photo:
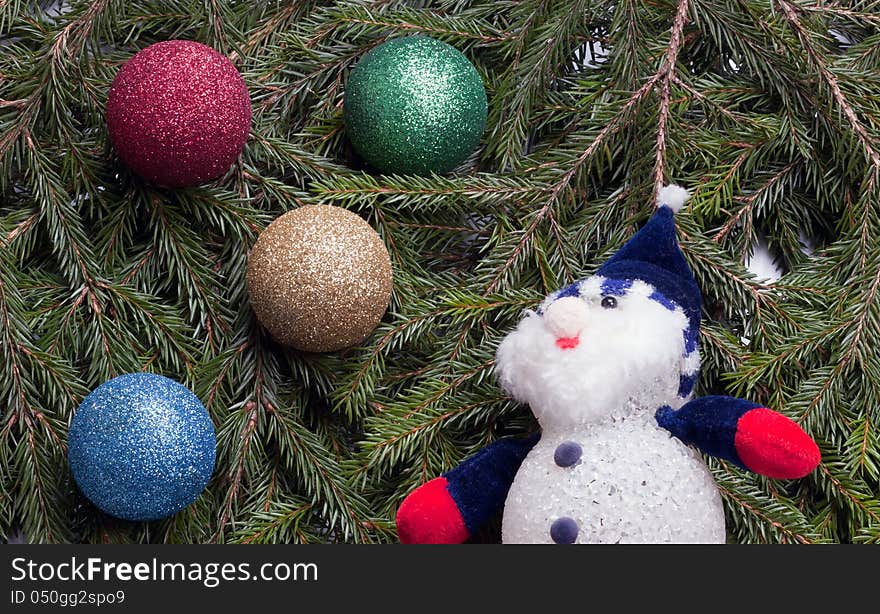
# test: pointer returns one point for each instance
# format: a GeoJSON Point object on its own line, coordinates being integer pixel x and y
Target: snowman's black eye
{"type": "Point", "coordinates": [609, 302]}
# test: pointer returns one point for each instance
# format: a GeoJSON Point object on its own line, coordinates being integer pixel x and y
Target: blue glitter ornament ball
{"type": "Point", "coordinates": [141, 447]}
{"type": "Point", "coordinates": [415, 105]}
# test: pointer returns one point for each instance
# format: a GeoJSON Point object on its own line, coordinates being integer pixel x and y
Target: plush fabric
{"type": "Point", "coordinates": [564, 530]}
{"type": "Point", "coordinates": [653, 256]}
{"type": "Point", "coordinates": [567, 453]}
{"type": "Point", "coordinates": [691, 339]}
{"type": "Point", "coordinates": [429, 515]}
{"type": "Point", "coordinates": [569, 290]}
{"type": "Point", "coordinates": [632, 354]}
{"type": "Point", "coordinates": [708, 423]}
{"type": "Point", "coordinates": [657, 296]}
{"type": "Point", "coordinates": [618, 287]}
{"type": "Point", "coordinates": [479, 485]}
{"type": "Point", "coordinates": [568, 343]}
{"type": "Point", "coordinates": [744, 433]}
{"type": "Point", "coordinates": [686, 382]}
{"type": "Point", "coordinates": [673, 196]}
{"type": "Point", "coordinates": [691, 367]}
{"type": "Point", "coordinates": [451, 508]}
{"type": "Point", "coordinates": [770, 444]}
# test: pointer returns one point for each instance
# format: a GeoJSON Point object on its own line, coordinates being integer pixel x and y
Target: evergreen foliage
{"type": "Point", "coordinates": [768, 110]}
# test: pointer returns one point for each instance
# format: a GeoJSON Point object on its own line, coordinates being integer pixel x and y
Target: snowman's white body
{"type": "Point", "coordinates": [633, 484]}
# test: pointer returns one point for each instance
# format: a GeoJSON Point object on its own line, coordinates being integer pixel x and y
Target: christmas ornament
{"type": "Point", "coordinates": [319, 278]}
{"type": "Point", "coordinates": [178, 113]}
{"type": "Point", "coordinates": [141, 447]}
{"type": "Point", "coordinates": [608, 365]}
{"type": "Point", "coordinates": [415, 105]}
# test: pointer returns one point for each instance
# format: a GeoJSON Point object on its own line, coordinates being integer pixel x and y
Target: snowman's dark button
{"type": "Point", "coordinates": [564, 530]}
{"type": "Point", "coordinates": [567, 453]}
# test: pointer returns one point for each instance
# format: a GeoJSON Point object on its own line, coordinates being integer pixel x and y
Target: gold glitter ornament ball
{"type": "Point", "coordinates": [319, 278]}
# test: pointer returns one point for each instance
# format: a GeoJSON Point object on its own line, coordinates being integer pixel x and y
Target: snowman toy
{"type": "Point", "coordinates": [608, 365]}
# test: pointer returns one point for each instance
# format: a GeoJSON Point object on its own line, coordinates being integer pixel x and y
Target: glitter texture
{"type": "Point", "coordinates": [319, 278]}
{"type": "Point", "coordinates": [415, 105]}
{"type": "Point", "coordinates": [178, 113]}
{"type": "Point", "coordinates": [141, 447]}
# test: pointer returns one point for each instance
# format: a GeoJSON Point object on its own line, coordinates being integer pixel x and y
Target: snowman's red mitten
{"type": "Point", "coordinates": [744, 433]}
{"type": "Point", "coordinates": [451, 508]}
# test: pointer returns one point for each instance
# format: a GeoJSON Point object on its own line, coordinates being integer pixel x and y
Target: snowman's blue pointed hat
{"type": "Point", "coordinates": [653, 256]}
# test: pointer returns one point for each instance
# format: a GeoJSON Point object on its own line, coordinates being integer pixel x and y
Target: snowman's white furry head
{"type": "Point", "coordinates": [598, 348]}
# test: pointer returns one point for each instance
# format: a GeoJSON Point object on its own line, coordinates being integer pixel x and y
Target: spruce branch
{"type": "Point", "coordinates": [666, 77]}
{"type": "Point", "coordinates": [749, 202]}
{"type": "Point", "coordinates": [560, 187]}
{"type": "Point", "coordinates": [543, 43]}
{"type": "Point", "coordinates": [765, 511]}
{"type": "Point", "coordinates": [817, 58]}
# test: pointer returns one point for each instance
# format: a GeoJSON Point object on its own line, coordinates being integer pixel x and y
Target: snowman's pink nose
{"type": "Point", "coordinates": [567, 343]}
{"type": "Point", "coordinates": [566, 318]}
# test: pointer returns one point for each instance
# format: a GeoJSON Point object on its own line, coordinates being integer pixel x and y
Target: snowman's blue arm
{"type": "Point", "coordinates": [744, 433]}
{"type": "Point", "coordinates": [479, 485]}
{"type": "Point", "coordinates": [453, 507]}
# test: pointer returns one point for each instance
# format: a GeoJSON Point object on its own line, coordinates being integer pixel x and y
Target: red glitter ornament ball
{"type": "Point", "coordinates": [178, 113]}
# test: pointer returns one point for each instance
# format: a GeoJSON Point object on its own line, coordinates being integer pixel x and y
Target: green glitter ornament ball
{"type": "Point", "coordinates": [415, 105]}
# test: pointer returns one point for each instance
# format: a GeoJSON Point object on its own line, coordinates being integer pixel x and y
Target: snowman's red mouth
{"type": "Point", "coordinates": [567, 343]}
